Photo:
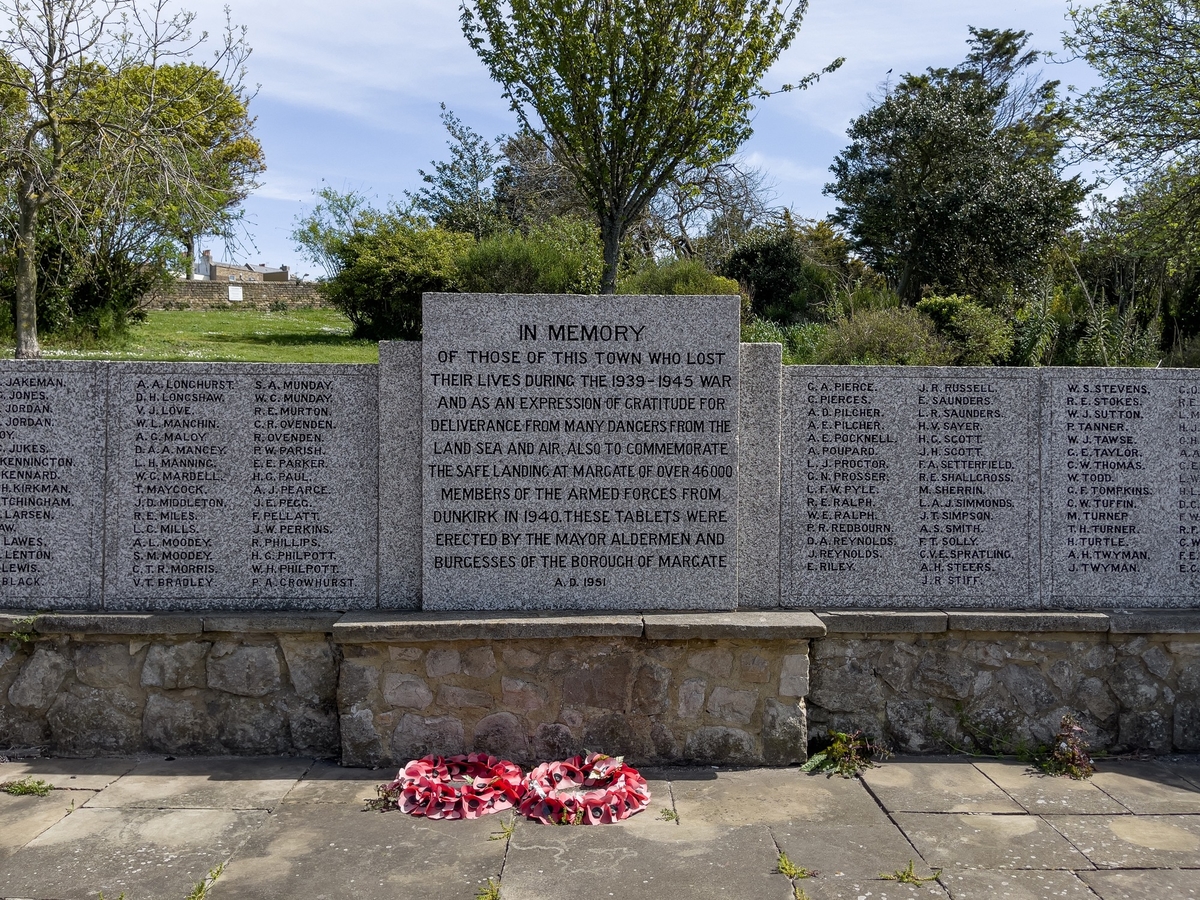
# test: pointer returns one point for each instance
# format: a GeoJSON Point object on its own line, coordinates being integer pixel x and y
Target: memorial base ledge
{"type": "Point", "coordinates": [722, 688]}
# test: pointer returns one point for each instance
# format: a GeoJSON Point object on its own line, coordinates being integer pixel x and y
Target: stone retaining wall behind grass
{"type": "Point", "coordinates": [215, 295]}
{"type": "Point", "coordinates": [743, 688]}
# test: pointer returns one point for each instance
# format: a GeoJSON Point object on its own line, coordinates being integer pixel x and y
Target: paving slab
{"type": "Point", "coordinates": [1186, 767]}
{"type": "Point", "coordinates": [643, 860]}
{"type": "Point", "coordinates": [937, 784]}
{"type": "Point", "coordinates": [331, 852]}
{"type": "Point", "coordinates": [327, 782]}
{"type": "Point", "coordinates": [147, 854]}
{"type": "Point", "coordinates": [1134, 842]}
{"type": "Point", "coordinates": [1158, 884]}
{"type": "Point", "coordinates": [23, 818]}
{"type": "Point", "coordinates": [1147, 788]}
{"type": "Point", "coordinates": [72, 774]}
{"type": "Point", "coordinates": [1015, 885]}
{"type": "Point", "coordinates": [771, 796]}
{"type": "Point", "coordinates": [1045, 794]}
{"type": "Point", "coordinates": [989, 842]}
{"type": "Point", "coordinates": [204, 783]}
{"type": "Point", "coordinates": [849, 859]}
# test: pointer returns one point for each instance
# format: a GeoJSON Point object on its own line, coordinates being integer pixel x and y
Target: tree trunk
{"type": "Point", "coordinates": [189, 243]}
{"type": "Point", "coordinates": [610, 232]}
{"type": "Point", "coordinates": [27, 339]}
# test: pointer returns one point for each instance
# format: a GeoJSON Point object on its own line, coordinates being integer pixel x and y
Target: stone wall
{"type": "Point", "coordinates": [992, 682]}
{"type": "Point", "coordinates": [215, 295]}
{"type": "Point", "coordinates": [620, 685]}
{"type": "Point", "coordinates": [722, 688]}
{"type": "Point", "coordinates": [114, 685]}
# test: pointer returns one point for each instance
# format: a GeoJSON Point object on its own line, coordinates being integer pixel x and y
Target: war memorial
{"type": "Point", "coordinates": [567, 522]}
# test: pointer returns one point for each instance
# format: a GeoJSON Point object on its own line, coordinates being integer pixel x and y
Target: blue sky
{"type": "Point", "coordinates": [349, 92]}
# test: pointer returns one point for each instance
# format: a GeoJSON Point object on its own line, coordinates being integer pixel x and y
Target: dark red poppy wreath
{"type": "Point", "coordinates": [597, 790]}
{"type": "Point", "coordinates": [456, 787]}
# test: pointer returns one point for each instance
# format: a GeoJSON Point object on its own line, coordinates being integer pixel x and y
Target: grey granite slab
{"type": "Point", "coordinates": [1140, 884]}
{"type": "Point", "coordinates": [340, 851]}
{"type": "Point", "coordinates": [1009, 884]}
{"type": "Point", "coordinates": [910, 487]}
{"type": "Point", "coordinates": [138, 852]}
{"type": "Point", "coordinates": [865, 621]}
{"type": "Point", "coordinates": [1047, 794]}
{"type": "Point", "coordinates": [400, 469]}
{"type": "Point", "coordinates": [580, 452]}
{"type": "Point", "coordinates": [973, 841]}
{"type": "Point", "coordinates": [937, 785]}
{"type": "Point", "coordinates": [241, 487]}
{"type": "Point", "coordinates": [363, 628]}
{"type": "Point", "coordinates": [1134, 842]}
{"type": "Point", "coordinates": [743, 624]}
{"type": "Point", "coordinates": [759, 433]}
{"type": "Point", "coordinates": [1026, 622]}
{"type": "Point", "coordinates": [52, 438]}
{"type": "Point", "coordinates": [1121, 496]}
{"type": "Point", "coordinates": [203, 783]}
{"type": "Point", "coordinates": [774, 797]}
{"type": "Point", "coordinates": [643, 859]}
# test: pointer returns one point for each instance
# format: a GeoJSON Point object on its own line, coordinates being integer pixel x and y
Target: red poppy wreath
{"type": "Point", "coordinates": [456, 787]}
{"type": "Point", "coordinates": [578, 791]}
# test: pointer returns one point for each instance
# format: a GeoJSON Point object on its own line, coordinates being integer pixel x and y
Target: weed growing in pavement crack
{"type": "Point", "coordinates": [909, 875]}
{"type": "Point", "coordinates": [200, 891]}
{"type": "Point", "coordinates": [506, 830]}
{"type": "Point", "coordinates": [789, 869]}
{"type": "Point", "coordinates": [1068, 754]}
{"type": "Point", "coordinates": [847, 754]}
{"type": "Point", "coordinates": [668, 815]}
{"type": "Point", "coordinates": [490, 891]}
{"type": "Point", "coordinates": [26, 787]}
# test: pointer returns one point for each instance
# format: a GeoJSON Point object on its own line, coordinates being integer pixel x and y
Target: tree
{"type": "Point", "coordinates": [1145, 114]}
{"type": "Point", "coordinates": [458, 195]}
{"type": "Point", "coordinates": [81, 113]}
{"type": "Point", "coordinates": [953, 180]}
{"type": "Point", "coordinates": [321, 233]}
{"type": "Point", "coordinates": [631, 91]}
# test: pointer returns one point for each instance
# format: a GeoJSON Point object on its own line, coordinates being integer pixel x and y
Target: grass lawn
{"type": "Point", "coordinates": [244, 335]}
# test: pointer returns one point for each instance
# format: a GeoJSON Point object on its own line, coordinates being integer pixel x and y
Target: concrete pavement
{"type": "Point", "coordinates": [152, 828]}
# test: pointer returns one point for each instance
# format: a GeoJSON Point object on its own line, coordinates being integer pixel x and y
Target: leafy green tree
{"type": "Point", "coordinates": [458, 194]}
{"type": "Point", "coordinates": [66, 73]}
{"type": "Point", "coordinates": [382, 267]}
{"type": "Point", "coordinates": [631, 91]}
{"type": "Point", "coordinates": [561, 256]}
{"type": "Point", "coordinates": [1145, 114]}
{"type": "Point", "coordinates": [321, 234]}
{"type": "Point", "coordinates": [953, 181]}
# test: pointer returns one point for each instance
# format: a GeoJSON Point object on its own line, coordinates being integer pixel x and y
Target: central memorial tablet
{"type": "Point", "coordinates": [580, 452]}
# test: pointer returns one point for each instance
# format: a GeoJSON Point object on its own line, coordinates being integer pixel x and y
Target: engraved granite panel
{"type": "Point", "coordinates": [244, 487]}
{"type": "Point", "coordinates": [52, 434]}
{"type": "Point", "coordinates": [1121, 494]}
{"type": "Point", "coordinates": [758, 475]}
{"type": "Point", "coordinates": [909, 487]}
{"type": "Point", "coordinates": [580, 452]}
{"type": "Point", "coordinates": [400, 475]}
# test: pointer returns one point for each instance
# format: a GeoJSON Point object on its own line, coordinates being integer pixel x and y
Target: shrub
{"type": "Point", "coordinates": [784, 284]}
{"type": "Point", "coordinates": [895, 337]}
{"type": "Point", "coordinates": [800, 342]}
{"type": "Point", "coordinates": [563, 256]}
{"type": "Point", "coordinates": [978, 336]}
{"type": "Point", "coordinates": [384, 266]}
{"type": "Point", "coordinates": [679, 276]}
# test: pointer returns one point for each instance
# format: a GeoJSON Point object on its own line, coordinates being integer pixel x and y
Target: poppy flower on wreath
{"type": "Point", "coordinates": [456, 787]}
{"type": "Point", "coordinates": [594, 790]}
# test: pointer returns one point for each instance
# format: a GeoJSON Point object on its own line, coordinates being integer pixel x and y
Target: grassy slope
{"type": "Point", "coordinates": [302, 335]}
